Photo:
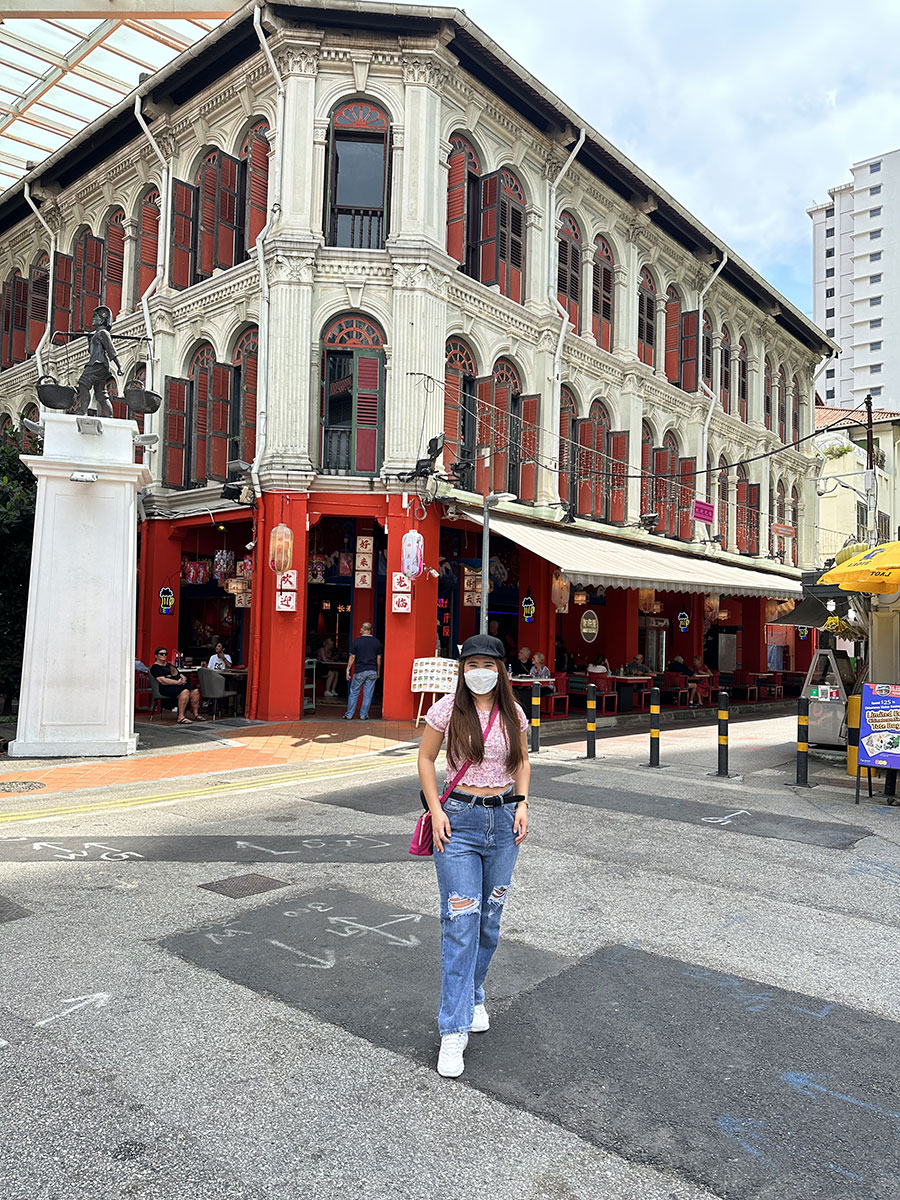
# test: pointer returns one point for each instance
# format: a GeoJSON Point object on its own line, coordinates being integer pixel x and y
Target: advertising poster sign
{"type": "Point", "coordinates": [879, 726]}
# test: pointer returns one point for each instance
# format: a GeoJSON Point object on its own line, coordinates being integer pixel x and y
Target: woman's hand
{"type": "Point", "coordinates": [440, 829]}
{"type": "Point", "coordinates": [520, 824]}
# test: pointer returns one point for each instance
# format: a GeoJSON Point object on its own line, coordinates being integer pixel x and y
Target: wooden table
{"type": "Point", "coordinates": [625, 685]}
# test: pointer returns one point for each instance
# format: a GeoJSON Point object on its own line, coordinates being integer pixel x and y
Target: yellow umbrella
{"type": "Point", "coordinates": [875, 570]}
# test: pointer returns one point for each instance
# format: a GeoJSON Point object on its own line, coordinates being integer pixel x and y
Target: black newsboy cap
{"type": "Point", "coordinates": [482, 643]}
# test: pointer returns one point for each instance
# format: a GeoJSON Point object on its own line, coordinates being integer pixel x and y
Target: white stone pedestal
{"type": "Point", "coordinates": [77, 694]}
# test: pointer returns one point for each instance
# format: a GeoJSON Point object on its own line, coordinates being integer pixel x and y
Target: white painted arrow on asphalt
{"type": "Point", "coordinates": [93, 1000]}
{"type": "Point", "coordinates": [741, 812]}
{"type": "Point", "coordinates": [319, 963]}
{"type": "Point", "coordinates": [265, 849]}
{"type": "Point", "coordinates": [352, 926]}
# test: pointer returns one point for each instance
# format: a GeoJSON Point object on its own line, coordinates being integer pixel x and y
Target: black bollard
{"type": "Point", "coordinates": [535, 717]}
{"type": "Point", "coordinates": [654, 727]}
{"type": "Point", "coordinates": [723, 735]}
{"type": "Point", "coordinates": [592, 720]}
{"type": "Point", "coordinates": [803, 742]}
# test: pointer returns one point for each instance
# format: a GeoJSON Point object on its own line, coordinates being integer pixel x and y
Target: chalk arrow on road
{"type": "Point", "coordinates": [741, 812]}
{"type": "Point", "coordinates": [93, 1000]}
{"type": "Point", "coordinates": [265, 849]}
{"type": "Point", "coordinates": [806, 1084]}
{"type": "Point", "coordinates": [352, 926]}
{"type": "Point", "coordinates": [321, 962]}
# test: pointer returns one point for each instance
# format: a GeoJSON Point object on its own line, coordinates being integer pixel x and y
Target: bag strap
{"type": "Point", "coordinates": [461, 772]}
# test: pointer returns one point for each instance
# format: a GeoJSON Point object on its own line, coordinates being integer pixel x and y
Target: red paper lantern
{"type": "Point", "coordinates": [281, 549]}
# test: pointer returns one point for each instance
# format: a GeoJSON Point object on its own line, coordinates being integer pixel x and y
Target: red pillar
{"type": "Point", "coordinates": [408, 635]}
{"type": "Point", "coordinates": [629, 635]}
{"type": "Point", "coordinates": [536, 577]}
{"type": "Point", "coordinates": [753, 630]}
{"type": "Point", "coordinates": [279, 641]}
{"type": "Point", "coordinates": [160, 567]}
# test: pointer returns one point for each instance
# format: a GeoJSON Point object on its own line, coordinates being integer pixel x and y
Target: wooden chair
{"type": "Point", "coordinates": [673, 684]}
{"type": "Point", "coordinates": [560, 693]}
{"type": "Point", "coordinates": [741, 682]}
{"type": "Point", "coordinates": [774, 687]}
{"type": "Point", "coordinates": [143, 692]}
{"type": "Point", "coordinates": [606, 692]}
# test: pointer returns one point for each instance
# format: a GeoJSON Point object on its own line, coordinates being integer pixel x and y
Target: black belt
{"type": "Point", "coordinates": [485, 801]}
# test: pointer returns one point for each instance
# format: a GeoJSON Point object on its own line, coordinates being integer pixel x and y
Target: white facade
{"type": "Point", "coordinates": [856, 284]}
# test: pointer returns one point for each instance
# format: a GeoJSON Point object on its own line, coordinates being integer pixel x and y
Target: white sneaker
{"type": "Point", "coordinates": [450, 1059]}
{"type": "Point", "coordinates": [481, 1022]}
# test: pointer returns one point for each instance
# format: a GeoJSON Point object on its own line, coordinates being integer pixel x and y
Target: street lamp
{"type": "Point", "coordinates": [491, 500]}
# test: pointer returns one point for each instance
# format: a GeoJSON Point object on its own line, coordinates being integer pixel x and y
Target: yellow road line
{"type": "Point", "coordinates": [238, 785]}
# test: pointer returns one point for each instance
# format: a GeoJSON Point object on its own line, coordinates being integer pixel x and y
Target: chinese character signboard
{"type": "Point", "coordinates": [702, 511]}
{"type": "Point", "coordinates": [879, 726]}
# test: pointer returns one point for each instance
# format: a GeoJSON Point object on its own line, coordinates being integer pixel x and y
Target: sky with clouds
{"type": "Point", "coordinates": [745, 112]}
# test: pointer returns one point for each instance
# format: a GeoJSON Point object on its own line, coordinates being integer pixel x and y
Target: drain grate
{"type": "Point", "coordinates": [10, 911]}
{"type": "Point", "coordinates": [236, 887]}
{"type": "Point", "coordinates": [20, 785]}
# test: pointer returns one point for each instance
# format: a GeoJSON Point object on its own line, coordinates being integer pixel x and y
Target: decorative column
{"type": "Point", "coordinates": [732, 513]}
{"type": "Point", "coordinates": [77, 694]}
{"type": "Point", "coordinates": [624, 321]}
{"type": "Point", "coordinates": [302, 156]}
{"type": "Point", "coordinates": [422, 202]}
{"type": "Point", "coordinates": [292, 396]}
{"type": "Point", "coordinates": [130, 285]}
{"type": "Point", "coordinates": [659, 349]}
{"type": "Point", "coordinates": [754, 390]}
{"type": "Point", "coordinates": [716, 381]}
{"type": "Point", "coordinates": [547, 479]}
{"type": "Point", "coordinates": [586, 306]}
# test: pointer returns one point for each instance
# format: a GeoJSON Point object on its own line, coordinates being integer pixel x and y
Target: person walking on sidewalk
{"type": "Point", "coordinates": [365, 668]}
{"type": "Point", "coordinates": [477, 833]}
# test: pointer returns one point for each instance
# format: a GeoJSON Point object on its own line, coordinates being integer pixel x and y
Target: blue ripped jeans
{"type": "Point", "coordinates": [474, 874]}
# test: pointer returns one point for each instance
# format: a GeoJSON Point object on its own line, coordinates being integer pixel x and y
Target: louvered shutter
{"type": "Point", "coordinates": [662, 491]}
{"type": "Point", "coordinates": [689, 351]}
{"type": "Point", "coordinates": [228, 211]}
{"type": "Point", "coordinates": [490, 229]}
{"type": "Point", "coordinates": [484, 393]}
{"type": "Point", "coordinates": [257, 202]}
{"type": "Point", "coordinates": [38, 304]}
{"type": "Point", "coordinates": [530, 406]}
{"type": "Point", "coordinates": [512, 248]}
{"type": "Point", "coordinates": [618, 483]}
{"type": "Point", "coordinates": [725, 378]}
{"type": "Point", "coordinates": [207, 219]}
{"type": "Point", "coordinates": [148, 246]}
{"type": "Point", "coordinates": [753, 518]}
{"type": "Point", "coordinates": [249, 384]}
{"type": "Point", "coordinates": [19, 322]}
{"type": "Point", "coordinates": [562, 270]}
{"type": "Point", "coordinates": [367, 370]}
{"type": "Point", "coordinates": [6, 305]}
{"type": "Point", "coordinates": [687, 470]}
{"type": "Point", "coordinates": [500, 434]}
{"type": "Point", "coordinates": [220, 421]}
{"type": "Point", "coordinates": [452, 393]}
{"type": "Point", "coordinates": [63, 266]}
{"type": "Point", "coordinates": [176, 430]}
{"type": "Point", "coordinates": [184, 235]}
{"type": "Point", "coordinates": [605, 271]}
{"type": "Point", "coordinates": [673, 340]}
{"type": "Point", "coordinates": [565, 451]}
{"type": "Point", "coordinates": [115, 268]}
{"type": "Point", "coordinates": [585, 469]}
{"type": "Point", "coordinates": [77, 285]}
{"type": "Point", "coordinates": [88, 280]}
{"type": "Point", "coordinates": [456, 206]}
{"type": "Point", "coordinates": [742, 523]}
{"type": "Point", "coordinates": [200, 424]}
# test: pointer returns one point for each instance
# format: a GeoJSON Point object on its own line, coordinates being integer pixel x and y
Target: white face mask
{"type": "Point", "coordinates": [480, 680]}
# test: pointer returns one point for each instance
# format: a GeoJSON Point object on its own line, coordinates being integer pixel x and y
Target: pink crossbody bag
{"type": "Point", "coordinates": [422, 842]}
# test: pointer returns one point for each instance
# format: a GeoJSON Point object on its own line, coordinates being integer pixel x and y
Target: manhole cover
{"type": "Point", "coordinates": [10, 911]}
{"type": "Point", "coordinates": [236, 887]}
{"type": "Point", "coordinates": [20, 785]}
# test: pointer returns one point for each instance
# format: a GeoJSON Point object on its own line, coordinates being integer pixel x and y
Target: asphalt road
{"type": "Point", "coordinates": [697, 995]}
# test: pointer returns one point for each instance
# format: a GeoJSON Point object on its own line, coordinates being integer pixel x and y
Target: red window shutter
{"type": "Point", "coordinates": [19, 323]}
{"type": "Point", "coordinates": [500, 434]}
{"type": "Point", "coordinates": [257, 199]}
{"type": "Point", "coordinates": [490, 229]}
{"type": "Point", "coordinates": [456, 205]}
{"type": "Point", "coordinates": [249, 384]}
{"type": "Point", "coordinates": [753, 518]}
{"type": "Point", "coordinates": [38, 305]}
{"type": "Point", "coordinates": [452, 394]}
{"type": "Point", "coordinates": [115, 267]}
{"type": "Point", "coordinates": [228, 213]}
{"type": "Point", "coordinates": [528, 474]}
{"type": "Point", "coordinates": [689, 351]}
{"type": "Point", "coordinates": [6, 305]}
{"type": "Point", "coordinates": [563, 246]}
{"type": "Point", "coordinates": [176, 427]}
{"type": "Point", "coordinates": [512, 249]}
{"type": "Point", "coordinates": [184, 222]}
{"type": "Point", "coordinates": [687, 469]}
{"type": "Point", "coordinates": [88, 280]}
{"type": "Point", "coordinates": [484, 413]}
{"type": "Point", "coordinates": [586, 468]}
{"type": "Point", "coordinates": [63, 267]}
{"type": "Point", "coordinates": [565, 451]}
{"type": "Point", "coordinates": [367, 368]}
{"type": "Point", "coordinates": [742, 388]}
{"type": "Point", "coordinates": [148, 248]}
{"type": "Point", "coordinates": [662, 491]}
{"type": "Point", "coordinates": [208, 209]}
{"type": "Point", "coordinates": [200, 422]}
{"type": "Point", "coordinates": [77, 285]}
{"type": "Point", "coordinates": [673, 339]}
{"type": "Point", "coordinates": [220, 421]}
{"type": "Point", "coordinates": [742, 523]}
{"type": "Point", "coordinates": [725, 378]}
{"type": "Point", "coordinates": [618, 483]}
{"type": "Point", "coordinates": [607, 280]}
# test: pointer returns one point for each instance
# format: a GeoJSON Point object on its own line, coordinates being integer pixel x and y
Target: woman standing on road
{"type": "Point", "coordinates": [477, 833]}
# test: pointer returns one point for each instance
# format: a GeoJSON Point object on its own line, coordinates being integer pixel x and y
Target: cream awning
{"type": "Point", "coordinates": [593, 559]}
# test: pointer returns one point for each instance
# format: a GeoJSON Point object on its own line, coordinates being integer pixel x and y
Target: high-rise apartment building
{"type": "Point", "coordinates": [856, 284]}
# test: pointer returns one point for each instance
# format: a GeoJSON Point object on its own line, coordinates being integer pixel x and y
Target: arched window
{"type": "Point", "coordinates": [245, 362]}
{"type": "Point", "coordinates": [200, 422]}
{"type": "Point", "coordinates": [707, 350]}
{"type": "Point", "coordinates": [254, 159]}
{"type": "Point", "coordinates": [795, 521]}
{"type": "Point", "coordinates": [723, 503]}
{"type": "Point", "coordinates": [673, 335]}
{"type": "Point", "coordinates": [795, 410]}
{"type": "Point", "coordinates": [218, 183]}
{"type": "Point", "coordinates": [646, 337]}
{"type": "Point", "coordinates": [602, 293]}
{"type": "Point", "coordinates": [782, 404]}
{"type": "Point", "coordinates": [464, 205]}
{"type": "Point", "coordinates": [646, 468]}
{"type": "Point", "coordinates": [460, 375]}
{"type": "Point", "coordinates": [593, 485]}
{"type": "Point", "coordinates": [87, 279]}
{"type": "Point", "coordinates": [767, 392]}
{"type": "Point", "coordinates": [38, 300]}
{"type": "Point", "coordinates": [503, 234]}
{"type": "Point", "coordinates": [358, 167]}
{"type": "Point", "coordinates": [352, 396]}
{"type": "Point", "coordinates": [665, 486]}
{"type": "Point", "coordinates": [568, 266]}
{"type": "Point", "coordinates": [114, 262]}
{"type": "Point", "coordinates": [148, 242]}
{"type": "Point", "coordinates": [779, 546]}
{"type": "Point", "coordinates": [725, 371]}
{"type": "Point", "coordinates": [568, 410]}
{"type": "Point", "coordinates": [499, 426]}
{"type": "Point", "coordinates": [14, 305]}
{"type": "Point", "coordinates": [742, 380]}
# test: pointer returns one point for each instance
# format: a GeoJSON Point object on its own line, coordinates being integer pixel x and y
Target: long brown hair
{"type": "Point", "coordinates": [465, 739]}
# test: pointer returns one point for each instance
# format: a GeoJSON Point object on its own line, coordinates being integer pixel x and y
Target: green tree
{"type": "Point", "coordinates": [18, 489]}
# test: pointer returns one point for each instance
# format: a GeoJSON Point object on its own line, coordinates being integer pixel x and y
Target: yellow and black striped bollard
{"type": "Point", "coordinates": [535, 717]}
{"type": "Point", "coordinates": [654, 727]}
{"type": "Point", "coordinates": [723, 735]}
{"type": "Point", "coordinates": [592, 720]}
{"type": "Point", "coordinates": [803, 742]}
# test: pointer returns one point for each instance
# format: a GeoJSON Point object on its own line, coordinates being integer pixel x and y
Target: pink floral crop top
{"type": "Point", "coordinates": [492, 771]}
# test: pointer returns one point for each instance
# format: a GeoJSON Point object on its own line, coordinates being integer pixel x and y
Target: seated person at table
{"type": "Point", "coordinates": [600, 665]}
{"type": "Point", "coordinates": [637, 666]}
{"type": "Point", "coordinates": [540, 670]}
{"type": "Point", "coordinates": [521, 664]}
{"type": "Point", "coordinates": [326, 655]}
{"type": "Point", "coordinates": [679, 667]}
{"type": "Point", "coordinates": [173, 688]}
{"type": "Point", "coordinates": [702, 673]}
{"type": "Point", "coordinates": [220, 660]}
